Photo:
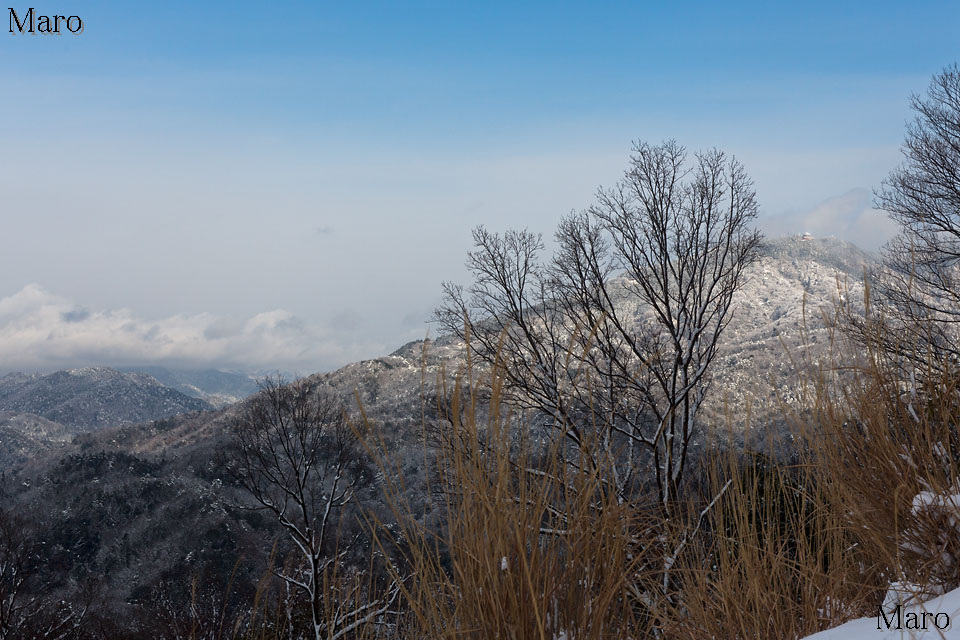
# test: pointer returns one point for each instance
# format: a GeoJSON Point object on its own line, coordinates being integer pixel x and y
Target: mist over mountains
{"type": "Point", "coordinates": [219, 388]}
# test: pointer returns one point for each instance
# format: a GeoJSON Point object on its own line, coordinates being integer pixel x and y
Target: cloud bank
{"type": "Point", "coordinates": [40, 331]}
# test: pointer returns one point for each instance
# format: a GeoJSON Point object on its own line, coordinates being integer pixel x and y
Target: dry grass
{"type": "Point", "coordinates": [772, 561]}
{"type": "Point", "coordinates": [882, 441]}
{"type": "Point", "coordinates": [528, 550]}
{"type": "Point", "coordinates": [792, 550]}
{"type": "Point", "coordinates": [795, 550]}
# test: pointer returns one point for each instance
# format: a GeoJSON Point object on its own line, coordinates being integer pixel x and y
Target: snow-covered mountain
{"type": "Point", "coordinates": [24, 436]}
{"type": "Point", "coordinates": [93, 398]}
{"type": "Point", "coordinates": [782, 319]}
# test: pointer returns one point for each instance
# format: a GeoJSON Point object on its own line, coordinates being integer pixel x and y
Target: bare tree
{"type": "Point", "coordinates": [917, 291]}
{"type": "Point", "coordinates": [619, 329]}
{"type": "Point", "coordinates": [294, 452]}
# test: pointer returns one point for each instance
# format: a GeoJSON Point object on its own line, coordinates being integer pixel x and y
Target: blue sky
{"type": "Point", "coordinates": [286, 184]}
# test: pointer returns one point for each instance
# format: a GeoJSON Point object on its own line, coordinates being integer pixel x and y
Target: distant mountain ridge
{"type": "Point", "coordinates": [93, 398]}
{"type": "Point", "coordinates": [219, 388]}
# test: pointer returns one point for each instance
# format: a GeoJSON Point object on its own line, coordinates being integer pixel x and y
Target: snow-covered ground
{"type": "Point", "coordinates": [905, 614]}
{"type": "Point", "coordinates": [943, 610]}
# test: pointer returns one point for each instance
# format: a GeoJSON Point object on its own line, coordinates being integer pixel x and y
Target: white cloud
{"type": "Point", "coordinates": [40, 331]}
{"type": "Point", "coordinates": [850, 217]}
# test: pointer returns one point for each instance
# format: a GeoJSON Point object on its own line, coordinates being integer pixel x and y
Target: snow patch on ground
{"type": "Point", "coordinates": [875, 628]}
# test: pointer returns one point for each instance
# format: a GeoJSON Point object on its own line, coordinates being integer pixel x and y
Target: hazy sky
{"type": "Point", "coordinates": [285, 185]}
